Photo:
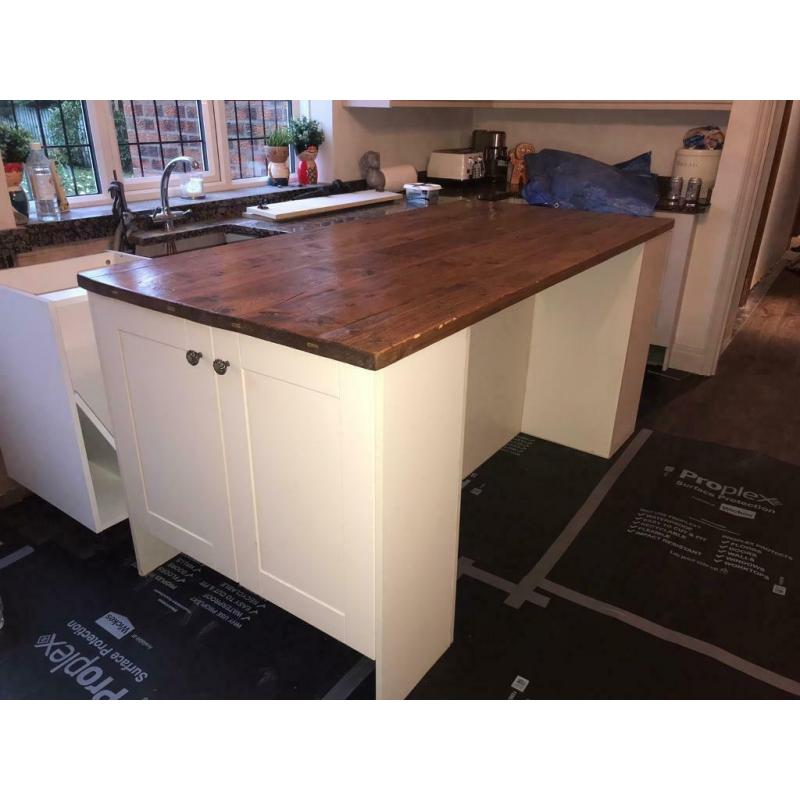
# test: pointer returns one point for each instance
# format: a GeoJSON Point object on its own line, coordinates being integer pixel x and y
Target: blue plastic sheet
{"type": "Point", "coordinates": [568, 180]}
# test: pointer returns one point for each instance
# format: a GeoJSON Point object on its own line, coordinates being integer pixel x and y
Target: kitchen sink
{"type": "Point", "coordinates": [160, 243]}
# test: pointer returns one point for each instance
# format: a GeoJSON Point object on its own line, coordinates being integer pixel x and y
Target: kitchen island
{"type": "Point", "coordinates": [297, 412]}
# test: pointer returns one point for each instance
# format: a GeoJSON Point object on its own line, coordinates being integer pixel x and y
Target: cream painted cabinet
{"type": "Point", "coordinates": [240, 466]}
{"type": "Point", "coordinates": [284, 436]}
{"type": "Point", "coordinates": [334, 491]}
{"type": "Point", "coordinates": [180, 484]}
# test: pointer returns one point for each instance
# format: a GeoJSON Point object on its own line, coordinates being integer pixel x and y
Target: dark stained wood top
{"type": "Point", "coordinates": [374, 291]}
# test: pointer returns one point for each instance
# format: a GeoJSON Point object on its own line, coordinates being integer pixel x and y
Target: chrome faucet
{"type": "Point", "coordinates": [164, 215]}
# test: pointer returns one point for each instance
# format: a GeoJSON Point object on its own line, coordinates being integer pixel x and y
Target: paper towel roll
{"type": "Point", "coordinates": [397, 176]}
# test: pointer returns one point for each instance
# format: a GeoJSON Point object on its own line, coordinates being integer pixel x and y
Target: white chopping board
{"type": "Point", "coordinates": [292, 209]}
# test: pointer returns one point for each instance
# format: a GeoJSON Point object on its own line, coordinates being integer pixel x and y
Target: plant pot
{"type": "Point", "coordinates": [14, 173]}
{"type": "Point", "coordinates": [277, 168]}
{"type": "Point", "coordinates": [307, 168]}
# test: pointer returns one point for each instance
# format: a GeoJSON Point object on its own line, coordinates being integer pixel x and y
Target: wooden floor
{"type": "Point", "coordinates": [754, 399]}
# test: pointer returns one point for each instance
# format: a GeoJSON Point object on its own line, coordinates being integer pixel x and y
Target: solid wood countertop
{"type": "Point", "coordinates": [374, 291]}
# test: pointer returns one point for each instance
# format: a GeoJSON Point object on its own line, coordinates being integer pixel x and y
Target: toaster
{"type": "Point", "coordinates": [456, 165]}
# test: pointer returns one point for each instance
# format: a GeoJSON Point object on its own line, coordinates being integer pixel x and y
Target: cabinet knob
{"type": "Point", "coordinates": [220, 366]}
{"type": "Point", "coordinates": [193, 357]}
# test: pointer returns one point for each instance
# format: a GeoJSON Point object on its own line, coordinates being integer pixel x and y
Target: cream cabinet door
{"type": "Point", "coordinates": [287, 450]}
{"type": "Point", "coordinates": [171, 439]}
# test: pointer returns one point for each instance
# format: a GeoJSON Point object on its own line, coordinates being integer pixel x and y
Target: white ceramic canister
{"type": "Point", "coordinates": [701, 164]}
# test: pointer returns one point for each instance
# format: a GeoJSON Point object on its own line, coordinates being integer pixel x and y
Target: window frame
{"type": "Point", "coordinates": [78, 199]}
{"type": "Point", "coordinates": [299, 107]}
{"type": "Point", "coordinates": [144, 188]}
{"type": "Point", "coordinates": [218, 177]}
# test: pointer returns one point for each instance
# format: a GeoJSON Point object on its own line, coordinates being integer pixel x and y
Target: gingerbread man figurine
{"type": "Point", "coordinates": [518, 175]}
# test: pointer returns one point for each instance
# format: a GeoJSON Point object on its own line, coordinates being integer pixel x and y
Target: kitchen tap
{"type": "Point", "coordinates": [164, 215]}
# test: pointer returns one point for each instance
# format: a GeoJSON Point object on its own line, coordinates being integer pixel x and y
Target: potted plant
{"type": "Point", "coordinates": [306, 135]}
{"type": "Point", "coordinates": [15, 145]}
{"type": "Point", "coordinates": [277, 152]}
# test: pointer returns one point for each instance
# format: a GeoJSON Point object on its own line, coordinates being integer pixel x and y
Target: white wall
{"type": "Point", "coordinates": [609, 136]}
{"type": "Point", "coordinates": [725, 236]}
{"type": "Point", "coordinates": [407, 135]}
{"type": "Point", "coordinates": [785, 197]}
{"type": "Point", "coordinates": [400, 135]}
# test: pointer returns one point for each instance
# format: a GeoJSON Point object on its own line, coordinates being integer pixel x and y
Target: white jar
{"type": "Point", "coordinates": [701, 164]}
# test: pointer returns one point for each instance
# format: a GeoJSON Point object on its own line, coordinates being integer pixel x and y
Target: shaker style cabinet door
{"type": "Point", "coordinates": [291, 549]}
{"type": "Point", "coordinates": [170, 439]}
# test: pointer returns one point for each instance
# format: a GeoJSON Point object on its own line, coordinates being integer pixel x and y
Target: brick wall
{"type": "Point", "coordinates": [167, 121]}
{"type": "Point", "coordinates": [246, 123]}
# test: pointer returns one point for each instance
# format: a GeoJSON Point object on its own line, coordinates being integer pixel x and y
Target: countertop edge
{"type": "Point", "coordinates": [332, 350]}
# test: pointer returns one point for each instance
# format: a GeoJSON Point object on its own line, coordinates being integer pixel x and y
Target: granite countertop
{"type": "Point", "coordinates": [97, 222]}
{"type": "Point", "coordinates": [221, 209]}
{"type": "Point", "coordinates": [382, 287]}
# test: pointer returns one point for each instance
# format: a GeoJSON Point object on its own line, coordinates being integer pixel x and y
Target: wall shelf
{"type": "Point", "coordinates": [611, 105]}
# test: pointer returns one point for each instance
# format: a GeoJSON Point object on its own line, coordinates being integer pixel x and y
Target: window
{"type": "Point", "coordinates": [63, 130]}
{"type": "Point", "coordinates": [247, 122]}
{"type": "Point", "coordinates": [151, 132]}
{"type": "Point", "coordinates": [97, 141]}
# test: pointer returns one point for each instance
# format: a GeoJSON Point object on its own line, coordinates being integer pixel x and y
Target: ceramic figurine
{"type": "Point", "coordinates": [518, 174]}
{"type": "Point", "coordinates": [306, 135]}
{"type": "Point", "coordinates": [370, 167]}
{"type": "Point", "coordinates": [277, 165]}
{"type": "Point", "coordinates": [307, 169]}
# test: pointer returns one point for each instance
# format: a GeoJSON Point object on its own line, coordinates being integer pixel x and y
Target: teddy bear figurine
{"type": "Point", "coordinates": [370, 167]}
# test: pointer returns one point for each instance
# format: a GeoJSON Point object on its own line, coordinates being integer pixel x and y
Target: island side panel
{"type": "Point", "coordinates": [645, 314]}
{"type": "Point", "coordinates": [579, 354]}
{"type": "Point", "coordinates": [420, 442]}
{"type": "Point", "coordinates": [499, 349]}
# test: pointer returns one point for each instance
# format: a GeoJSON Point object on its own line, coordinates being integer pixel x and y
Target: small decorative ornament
{"type": "Point", "coordinates": [518, 172]}
{"type": "Point", "coordinates": [277, 151]}
{"type": "Point", "coordinates": [307, 169]}
{"type": "Point", "coordinates": [277, 165]}
{"type": "Point", "coordinates": [370, 167]}
{"type": "Point", "coordinates": [306, 135]}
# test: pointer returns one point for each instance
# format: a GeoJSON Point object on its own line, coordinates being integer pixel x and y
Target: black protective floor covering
{"type": "Point", "coordinates": [516, 503]}
{"type": "Point", "coordinates": [81, 625]}
{"type": "Point", "coordinates": [513, 508]}
{"type": "Point", "coordinates": [701, 539]}
{"type": "Point", "coordinates": [568, 652]}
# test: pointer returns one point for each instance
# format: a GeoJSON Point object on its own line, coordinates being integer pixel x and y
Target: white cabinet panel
{"type": "Point", "coordinates": [52, 396]}
{"type": "Point", "coordinates": [178, 439]}
{"type": "Point", "coordinates": [295, 458]}
{"type": "Point", "coordinates": [288, 364]}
